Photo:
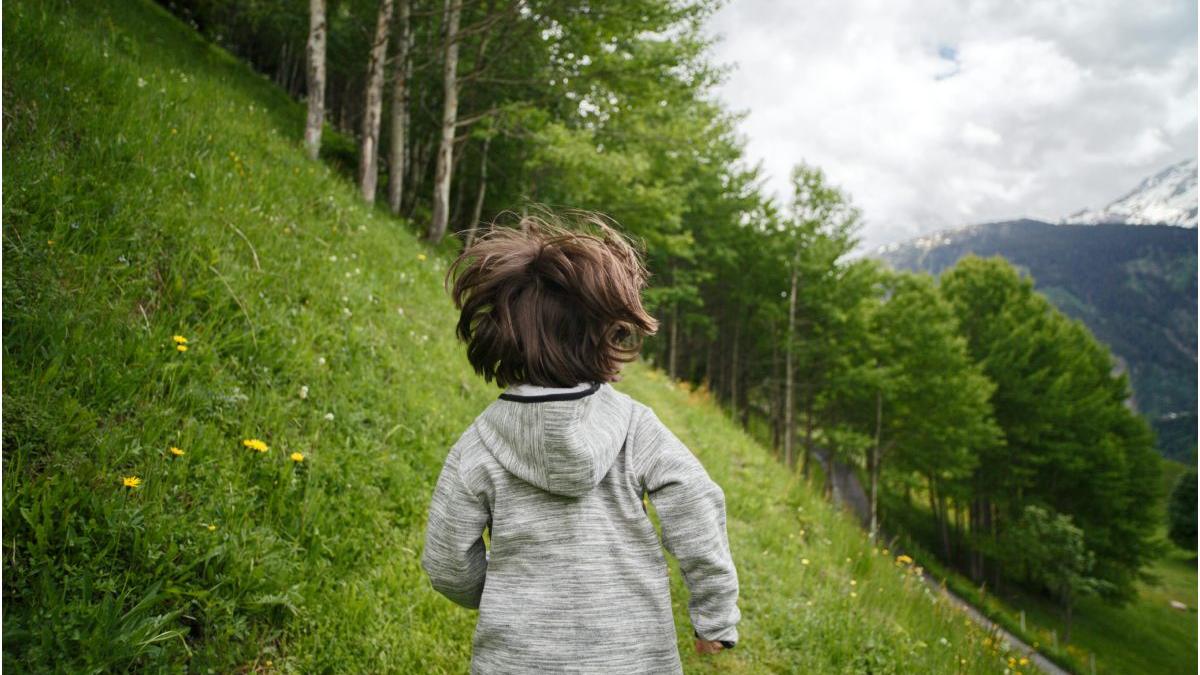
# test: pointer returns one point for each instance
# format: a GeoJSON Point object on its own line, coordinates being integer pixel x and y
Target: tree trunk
{"type": "Point", "coordinates": [944, 524]}
{"type": "Point", "coordinates": [368, 165]}
{"type": "Point", "coordinates": [672, 359]}
{"type": "Point", "coordinates": [789, 416]}
{"type": "Point", "coordinates": [477, 213]}
{"type": "Point", "coordinates": [445, 156]}
{"type": "Point", "coordinates": [973, 529]}
{"type": "Point", "coordinates": [398, 149]}
{"type": "Point", "coordinates": [809, 396]}
{"type": "Point", "coordinates": [933, 499]}
{"type": "Point", "coordinates": [316, 78]}
{"type": "Point", "coordinates": [733, 369]}
{"type": "Point", "coordinates": [776, 400]}
{"type": "Point", "coordinates": [873, 462]}
{"type": "Point", "coordinates": [710, 364]}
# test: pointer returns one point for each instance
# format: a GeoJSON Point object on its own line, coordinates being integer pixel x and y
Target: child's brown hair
{"type": "Point", "coordinates": [548, 305]}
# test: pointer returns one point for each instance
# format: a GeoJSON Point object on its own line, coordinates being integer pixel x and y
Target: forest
{"type": "Point", "coordinates": [982, 422]}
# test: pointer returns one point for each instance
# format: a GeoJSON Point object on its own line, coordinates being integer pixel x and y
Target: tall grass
{"type": "Point", "coordinates": [155, 187]}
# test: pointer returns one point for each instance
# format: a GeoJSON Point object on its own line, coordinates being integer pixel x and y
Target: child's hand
{"type": "Point", "coordinates": [708, 646]}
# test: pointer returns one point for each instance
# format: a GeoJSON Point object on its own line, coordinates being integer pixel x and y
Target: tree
{"type": "Point", "coordinates": [1070, 442]}
{"type": "Point", "coordinates": [819, 234]}
{"type": "Point", "coordinates": [1052, 551]}
{"type": "Point", "coordinates": [1181, 512]}
{"type": "Point", "coordinates": [401, 74]}
{"type": "Point", "coordinates": [445, 153]}
{"type": "Point", "coordinates": [924, 401]}
{"type": "Point", "coordinates": [368, 167]}
{"type": "Point", "coordinates": [316, 78]}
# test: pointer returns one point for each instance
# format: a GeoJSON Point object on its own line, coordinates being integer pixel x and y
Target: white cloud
{"type": "Point", "coordinates": [937, 114]}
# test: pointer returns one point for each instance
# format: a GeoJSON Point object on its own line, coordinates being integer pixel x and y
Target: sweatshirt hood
{"type": "Point", "coordinates": [561, 443]}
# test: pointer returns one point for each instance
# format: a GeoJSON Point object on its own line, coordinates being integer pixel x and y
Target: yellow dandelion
{"type": "Point", "coordinates": [211, 527]}
{"type": "Point", "coordinates": [177, 452]}
{"type": "Point", "coordinates": [853, 594]}
{"type": "Point", "coordinates": [297, 457]}
{"type": "Point", "coordinates": [853, 582]}
{"type": "Point", "coordinates": [1024, 661]}
{"type": "Point", "coordinates": [255, 444]}
{"type": "Point", "coordinates": [131, 481]}
{"type": "Point", "coordinates": [181, 348]}
{"type": "Point", "coordinates": [180, 340]}
{"type": "Point", "coordinates": [804, 561]}
{"type": "Point", "coordinates": [420, 256]}
{"type": "Point", "coordinates": [904, 560]}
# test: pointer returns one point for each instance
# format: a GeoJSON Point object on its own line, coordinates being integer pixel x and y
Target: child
{"type": "Point", "coordinates": [557, 469]}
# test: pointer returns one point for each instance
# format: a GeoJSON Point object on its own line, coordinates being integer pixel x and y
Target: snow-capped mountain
{"type": "Point", "coordinates": [1166, 198]}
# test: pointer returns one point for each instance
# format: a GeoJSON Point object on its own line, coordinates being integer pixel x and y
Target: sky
{"type": "Point", "coordinates": [937, 114]}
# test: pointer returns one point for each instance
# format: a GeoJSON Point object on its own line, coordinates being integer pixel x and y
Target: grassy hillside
{"type": "Point", "coordinates": [1146, 635]}
{"type": "Point", "coordinates": [154, 188]}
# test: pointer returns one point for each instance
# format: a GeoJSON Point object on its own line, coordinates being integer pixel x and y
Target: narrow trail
{"type": "Point", "coordinates": [848, 491]}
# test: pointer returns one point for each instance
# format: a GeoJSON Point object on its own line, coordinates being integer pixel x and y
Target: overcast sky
{"type": "Point", "coordinates": [935, 114]}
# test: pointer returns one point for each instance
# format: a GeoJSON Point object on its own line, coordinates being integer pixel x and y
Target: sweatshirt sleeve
{"type": "Point", "coordinates": [691, 510]}
{"type": "Point", "coordinates": [455, 556]}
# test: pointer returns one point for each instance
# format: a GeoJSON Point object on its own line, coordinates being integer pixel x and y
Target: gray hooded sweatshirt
{"type": "Point", "coordinates": [575, 580]}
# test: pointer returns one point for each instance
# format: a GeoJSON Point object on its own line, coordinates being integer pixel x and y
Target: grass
{"type": "Point", "coordinates": [154, 187]}
{"type": "Point", "coordinates": [1145, 636]}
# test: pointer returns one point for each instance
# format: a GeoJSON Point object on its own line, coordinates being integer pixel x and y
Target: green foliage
{"type": "Point", "coordinates": [1181, 512]}
{"type": "Point", "coordinates": [1069, 440]}
{"type": "Point", "coordinates": [937, 416]}
{"type": "Point", "coordinates": [155, 187]}
{"type": "Point", "coordinates": [1134, 287]}
{"type": "Point", "coordinates": [1050, 549]}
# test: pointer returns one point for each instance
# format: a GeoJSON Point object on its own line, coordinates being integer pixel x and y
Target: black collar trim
{"type": "Point", "coordinates": [564, 396]}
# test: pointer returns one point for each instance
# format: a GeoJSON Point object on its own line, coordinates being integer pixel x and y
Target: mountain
{"type": "Point", "coordinates": [1133, 286]}
{"type": "Point", "coordinates": [1166, 198]}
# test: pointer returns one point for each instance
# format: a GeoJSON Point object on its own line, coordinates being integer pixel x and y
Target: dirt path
{"type": "Point", "coordinates": [848, 492]}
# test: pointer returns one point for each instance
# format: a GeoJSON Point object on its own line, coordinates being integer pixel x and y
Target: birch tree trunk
{"type": "Point", "coordinates": [477, 213]}
{"type": "Point", "coordinates": [368, 166]}
{"type": "Point", "coordinates": [445, 156]}
{"type": "Point", "coordinates": [789, 415]}
{"type": "Point", "coordinates": [316, 78]}
{"type": "Point", "coordinates": [402, 70]}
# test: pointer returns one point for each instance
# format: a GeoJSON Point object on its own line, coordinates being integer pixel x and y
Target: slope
{"type": "Point", "coordinates": [1133, 286]}
{"type": "Point", "coordinates": [176, 275]}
